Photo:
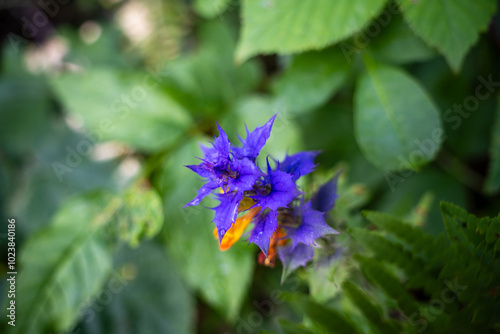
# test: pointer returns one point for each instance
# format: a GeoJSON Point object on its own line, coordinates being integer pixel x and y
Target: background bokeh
{"type": "Point", "coordinates": [103, 102]}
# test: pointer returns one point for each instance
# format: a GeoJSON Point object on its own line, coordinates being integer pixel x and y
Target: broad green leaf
{"type": "Point", "coordinates": [396, 124]}
{"type": "Point", "coordinates": [311, 79]}
{"type": "Point", "coordinates": [398, 44]}
{"type": "Point", "coordinates": [289, 26]}
{"type": "Point", "coordinates": [221, 277]}
{"type": "Point", "coordinates": [211, 8]}
{"type": "Point", "coordinates": [141, 216]}
{"type": "Point", "coordinates": [128, 107]}
{"type": "Point", "coordinates": [492, 183]}
{"type": "Point", "coordinates": [147, 296]}
{"type": "Point", "coordinates": [64, 265]}
{"type": "Point", "coordinates": [55, 174]}
{"type": "Point", "coordinates": [452, 26]}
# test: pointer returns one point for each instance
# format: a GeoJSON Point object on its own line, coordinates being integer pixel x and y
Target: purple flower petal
{"type": "Point", "coordinates": [299, 164]}
{"type": "Point", "coordinates": [312, 226]}
{"type": "Point", "coordinates": [202, 193]}
{"type": "Point", "coordinates": [277, 190]}
{"type": "Point", "coordinates": [222, 145]}
{"type": "Point", "coordinates": [265, 225]}
{"type": "Point", "coordinates": [255, 141]}
{"type": "Point", "coordinates": [324, 199]}
{"type": "Point", "coordinates": [292, 258]}
{"type": "Point", "coordinates": [202, 170]}
{"type": "Point", "coordinates": [247, 173]}
{"type": "Point", "coordinates": [226, 212]}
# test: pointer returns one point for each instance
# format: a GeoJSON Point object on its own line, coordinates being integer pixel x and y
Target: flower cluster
{"type": "Point", "coordinates": [283, 223]}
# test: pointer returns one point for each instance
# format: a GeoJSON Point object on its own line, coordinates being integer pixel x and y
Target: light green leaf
{"type": "Point", "coordinates": [396, 123]}
{"type": "Point", "coordinates": [128, 107]}
{"type": "Point", "coordinates": [325, 280]}
{"type": "Point", "coordinates": [221, 277]}
{"type": "Point", "coordinates": [141, 215]}
{"type": "Point", "coordinates": [311, 79]}
{"type": "Point", "coordinates": [288, 26]}
{"type": "Point", "coordinates": [452, 26]}
{"type": "Point", "coordinates": [492, 184]}
{"type": "Point", "coordinates": [148, 296]}
{"type": "Point", "coordinates": [64, 265]}
{"type": "Point", "coordinates": [211, 8]}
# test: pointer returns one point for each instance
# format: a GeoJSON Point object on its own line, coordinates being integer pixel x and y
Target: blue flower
{"type": "Point", "coordinates": [221, 170]}
{"type": "Point", "coordinates": [283, 224]}
{"type": "Point", "coordinates": [226, 212]}
{"type": "Point", "coordinates": [301, 225]}
{"type": "Point", "coordinates": [292, 258]}
{"type": "Point", "coordinates": [255, 141]}
{"type": "Point", "coordinates": [275, 189]}
{"type": "Point", "coordinates": [265, 226]}
{"type": "Point", "coordinates": [308, 225]}
{"type": "Point", "coordinates": [324, 199]}
{"type": "Point", "coordinates": [299, 164]}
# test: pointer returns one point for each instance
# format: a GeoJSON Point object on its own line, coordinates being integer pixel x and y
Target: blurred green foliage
{"type": "Point", "coordinates": [104, 102]}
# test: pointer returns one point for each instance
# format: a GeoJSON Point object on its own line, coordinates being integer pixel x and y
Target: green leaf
{"type": "Point", "coordinates": [64, 265]}
{"type": "Point", "coordinates": [388, 104]}
{"type": "Point", "coordinates": [221, 277]}
{"type": "Point", "coordinates": [379, 275]}
{"type": "Point", "coordinates": [329, 320]}
{"type": "Point", "coordinates": [406, 232]}
{"type": "Point", "coordinates": [147, 296]}
{"type": "Point", "coordinates": [24, 113]}
{"type": "Point", "coordinates": [128, 107]}
{"type": "Point", "coordinates": [370, 310]}
{"type": "Point", "coordinates": [325, 280]}
{"type": "Point", "coordinates": [211, 8]}
{"type": "Point", "coordinates": [452, 26]}
{"type": "Point", "coordinates": [310, 80]}
{"type": "Point", "coordinates": [289, 26]}
{"type": "Point", "coordinates": [492, 183]}
{"type": "Point", "coordinates": [141, 216]}
{"type": "Point", "coordinates": [208, 81]}
{"type": "Point", "coordinates": [289, 327]}
{"type": "Point", "coordinates": [394, 38]}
